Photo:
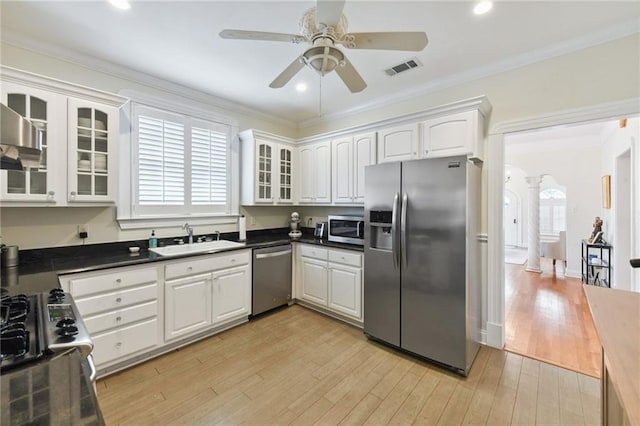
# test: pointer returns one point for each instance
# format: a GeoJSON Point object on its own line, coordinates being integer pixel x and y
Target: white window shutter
{"type": "Point", "coordinates": [161, 164]}
{"type": "Point", "coordinates": [209, 167]}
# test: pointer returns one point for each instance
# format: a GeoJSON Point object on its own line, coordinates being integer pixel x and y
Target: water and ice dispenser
{"type": "Point", "coordinates": [380, 224]}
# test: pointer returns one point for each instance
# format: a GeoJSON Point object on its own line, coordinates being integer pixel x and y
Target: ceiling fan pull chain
{"type": "Point", "coordinates": [320, 100]}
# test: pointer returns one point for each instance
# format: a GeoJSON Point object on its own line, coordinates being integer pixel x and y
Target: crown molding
{"type": "Point", "coordinates": [608, 110]}
{"type": "Point", "coordinates": [14, 75]}
{"type": "Point", "coordinates": [589, 40]}
{"type": "Point", "coordinates": [138, 77]}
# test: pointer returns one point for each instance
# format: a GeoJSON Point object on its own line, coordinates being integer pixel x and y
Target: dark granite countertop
{"type": "Point", "coordinates": [39, 268]}
{"type": "Point", "coordinates": [53, 391]}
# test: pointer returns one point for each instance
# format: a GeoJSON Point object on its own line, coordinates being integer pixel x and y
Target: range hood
{"type": "Point", "coordinates": [20, 141]}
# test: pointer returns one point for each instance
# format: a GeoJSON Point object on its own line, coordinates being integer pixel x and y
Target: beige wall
{"type": "Point", "coordinates": [597, 75]}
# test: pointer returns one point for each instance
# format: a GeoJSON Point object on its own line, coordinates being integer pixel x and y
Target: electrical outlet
{"type": "Point", "coordinates": [83, 231]}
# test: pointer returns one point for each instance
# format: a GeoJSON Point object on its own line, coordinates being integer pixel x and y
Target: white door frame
{"type": "Point", "coordinates": [622, 196]}
{"type": "Point", "coordinates": [495, 329]}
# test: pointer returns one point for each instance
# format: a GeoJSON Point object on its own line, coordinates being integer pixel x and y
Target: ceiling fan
{"type": "Point", "coordinates": [325, 27]}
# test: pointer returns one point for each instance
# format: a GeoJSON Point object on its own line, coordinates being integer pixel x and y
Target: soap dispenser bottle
{"type": "Point", "coordinates": [153, 241]}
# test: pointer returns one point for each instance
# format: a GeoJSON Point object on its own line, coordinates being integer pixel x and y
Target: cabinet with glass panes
{"type": "Point", "coordinates": [268, 167]}
{"type": "Point", "coordinates": [79, 144]}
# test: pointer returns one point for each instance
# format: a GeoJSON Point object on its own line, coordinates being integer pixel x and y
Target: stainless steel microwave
{"type": "Point", "coordinates": [346, 229]}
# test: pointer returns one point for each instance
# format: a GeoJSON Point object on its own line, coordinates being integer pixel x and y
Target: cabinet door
{"type": "Point", "coordinates": [231, 294]}
{"type": "Point", "coordinates": [285, 174]}
{"type": "Point", "coordinates": [46, 111]}
{"type": "Point", "coordinates": [322, 179]}
{"type": "Point", "coordinates": [314, 281]}
{"type": "Point", "coordinates": [307, 172]}
{"type": "Point", "coordinates": [345, 290]}
{"type": "Point", "coordinates": [264, 171]}
{"type": "Point", "coordinates": [450, 135]}
{"type": "Point", "coordinates": [187, 305]}
{"type": "Point", "coordinates": [342, 170]}
{"type": "Point", "coordinates": [364, 154]}
{"type": "Point", "coordinates": [398, 143]}
{"type": "Point", "coordinates": [92, 150]}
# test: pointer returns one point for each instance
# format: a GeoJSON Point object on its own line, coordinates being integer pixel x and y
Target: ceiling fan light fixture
{"type": "Point", "coordinates": [323, 59]}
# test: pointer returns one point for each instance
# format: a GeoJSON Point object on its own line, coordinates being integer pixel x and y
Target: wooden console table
{"type": "Point", "coordinates": [616, 314]}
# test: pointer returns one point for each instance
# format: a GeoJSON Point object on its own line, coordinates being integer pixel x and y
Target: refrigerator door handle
{"type": "Point", "coordinates": [394, 236]}
{"type": "Point", "coordinates": [403, 228]}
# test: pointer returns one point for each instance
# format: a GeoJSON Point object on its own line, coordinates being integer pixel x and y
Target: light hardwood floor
{"type": "Point", "coordinates": [548, 318]}
{"type": "Point", "coordinates": [296, 366]}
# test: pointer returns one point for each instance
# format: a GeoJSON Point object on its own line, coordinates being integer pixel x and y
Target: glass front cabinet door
{"type": "Point", "coordinates": [264, 171]}
{"type": "Point", "coordinates": [92, 138]}
{"type": "Point", "coordinates": [285, 169]}
{"type": "Point", "coordinates": [35, 184]}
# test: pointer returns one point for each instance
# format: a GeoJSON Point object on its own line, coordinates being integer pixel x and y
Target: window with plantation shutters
{"type": "Point", "coordinates": [181, 165]}
{"type": "Point", "coordinates": [161, 163]}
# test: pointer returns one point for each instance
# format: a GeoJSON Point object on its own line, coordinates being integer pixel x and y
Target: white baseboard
{"type": "Point", "coordinates": [573, 273]}
{"type": "Point", "coordinates": [483, 336]}
{"type": "Point", "coordinates": [494, 335]}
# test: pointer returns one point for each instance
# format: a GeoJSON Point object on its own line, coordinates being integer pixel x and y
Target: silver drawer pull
{"type": "Point", "coordinates": [190, 268]}
{"type": "Point", "coordinates": [118, 319]}
{"type": "Point", "coordinates": [119, 299]}
{"type": "Point", "coordinates": [233, 261]}
{"type": "Point", "coordinates": [119, 344]}
{"type": "Point", "coordinates": [119, 280]}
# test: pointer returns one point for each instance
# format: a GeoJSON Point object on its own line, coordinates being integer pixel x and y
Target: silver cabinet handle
{"type": "Point", "coordinates": [274, 254]}
{"type": "Point", "coordinates": [119, 280]}
{"type": "Point", "coordinates": [118, 319]}
{"type": "Point", "coordinates": [394, 236]}
{"type": "Point", "coordinates": [119, 299]}
{"type": "Point", "coordinates": [403, 228]}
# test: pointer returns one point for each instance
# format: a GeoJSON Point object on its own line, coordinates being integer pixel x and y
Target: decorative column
{"type": "Point", "coordinates": [533, 261]}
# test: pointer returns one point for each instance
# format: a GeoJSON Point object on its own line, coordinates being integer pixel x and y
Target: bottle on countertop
{"type": "Point", "coordinates": [153, 241]}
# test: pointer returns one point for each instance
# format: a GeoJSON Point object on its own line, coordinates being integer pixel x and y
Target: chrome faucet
{"type": "Point", "coordinates": [189, 230]}
{"type": "Point", "coordinates": [217, 235]}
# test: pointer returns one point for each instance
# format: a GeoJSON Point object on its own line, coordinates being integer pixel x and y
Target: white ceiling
{"type": "Point", "coordinates": [178, 41]}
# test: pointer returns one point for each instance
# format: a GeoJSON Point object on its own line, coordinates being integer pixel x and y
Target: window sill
{"type": "Point", "coordinates": [170, 222]}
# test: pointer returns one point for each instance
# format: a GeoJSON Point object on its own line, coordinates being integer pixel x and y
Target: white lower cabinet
{"type": "Point", "coordinates": [231, 294]}
{"type": "Point", "coordinates": [345, 289]}
{"type": "Point", "coordinates": [187, 305]}
{"type": "Point", "coordinates": [217, 294]}
{"type": "Point", "coordinates": [331, 278]}
{"type": "Point", "coordinates": [120, 308]}
{"type": "Point", "coordinates": [314, 280]}
{"type": "Point", "coordinates": [131, 312]}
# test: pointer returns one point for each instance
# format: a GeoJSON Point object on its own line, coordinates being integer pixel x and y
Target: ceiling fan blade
{"type": "Point", "coordinates": [350, 76]}
{"type": "Point", "coordinates": [414, 41]}
{"type": "Point", "coordinates": [260, 35]}
{"type": "Point", "coordinates": [288, 73]}
{"type": "Point", "coordinates": [329, 12]}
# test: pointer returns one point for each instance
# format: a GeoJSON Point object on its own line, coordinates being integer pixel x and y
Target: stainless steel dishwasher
{"type": "Point", "coordinates": [271, 278]}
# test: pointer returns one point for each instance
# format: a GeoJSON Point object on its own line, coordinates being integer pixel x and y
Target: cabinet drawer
{"type": "Point", "coordinates": [206, 264]}
{"type": "Point", "coordinates": [124, 341]}
{"type": "Point", "coordinates": [117, 299]}
{"type": "Point", "coordinates": [111, 281]}
{"type": "Point", "coordinates": [120, 317]}
{"type": "Point", "coordinates": [315, 252]}
{"type": "Point", "coordinates": [345, 257]}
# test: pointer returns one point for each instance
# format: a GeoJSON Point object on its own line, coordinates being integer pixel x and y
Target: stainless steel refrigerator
{"type": "Point", "coordinates": [422, 258]}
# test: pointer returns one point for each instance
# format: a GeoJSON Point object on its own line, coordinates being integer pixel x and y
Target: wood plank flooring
{"type": "Point", "coordinates": [548, 318]}
{"type": "Point", "coordinates": [296, 366]}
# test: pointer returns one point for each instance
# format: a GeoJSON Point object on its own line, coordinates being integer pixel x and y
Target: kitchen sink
{"type": "Point", "coordinates": [182, 249]}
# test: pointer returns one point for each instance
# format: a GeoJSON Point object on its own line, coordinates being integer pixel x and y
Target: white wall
{"type": "Point", "coordinates": [582, 182]}
{"type": "Point", "coordinates": [618, 142]}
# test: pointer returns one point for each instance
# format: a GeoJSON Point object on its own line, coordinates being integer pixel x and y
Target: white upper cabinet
{"type": "Point", "coordinates": [92, 151]}
{"type": "Point", "coordinates": [268, 166]}
{"type": "Point", "coordinates": [350, 156]}
{"type": "Point", "coordinates": [315, 173]}
{"type": "Point", "coordinates": [46, 111]}
{"type": "Point", "coordinates": [456, 134]}
{"type": "Point", "coordinates": [398, 143]}
{"type": "Point", "coordinates": [80, 136]}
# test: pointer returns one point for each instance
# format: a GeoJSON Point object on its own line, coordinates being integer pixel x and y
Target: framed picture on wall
{"type": "Point", "coordinates": [606, 192]}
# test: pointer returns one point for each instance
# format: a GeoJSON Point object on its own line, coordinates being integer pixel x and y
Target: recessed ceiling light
{"type": "Point", "coordinates": [482, 7]}
{"type": "Point", "coordinates": [121, 4]}
{"type": "Point", "coordinates": [301, 87]}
